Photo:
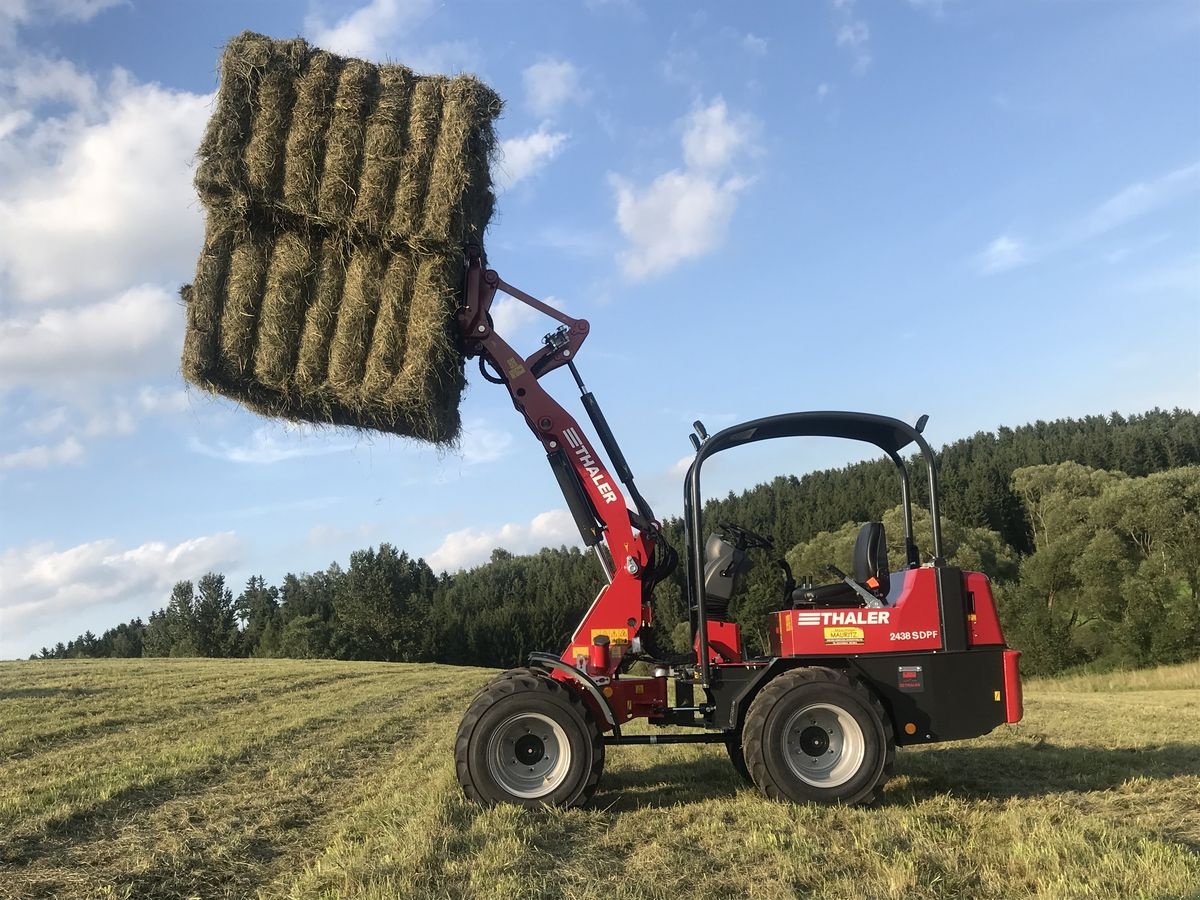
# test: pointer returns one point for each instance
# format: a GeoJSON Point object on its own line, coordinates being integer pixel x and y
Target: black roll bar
{"type": "Point", "coordinates": [890, 435]}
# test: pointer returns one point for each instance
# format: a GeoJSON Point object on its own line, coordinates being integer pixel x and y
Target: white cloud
{"type": "Point", "coordinates": [1138, 200]}
{"type": "Point", "coordinates": [824, 89]}
{"type": "Point", "coordinates": [265, 445]}
{"type": "Point", "coordinates": [159, 400]}
{"type": "Point", "coordinates": [16, 13]}
{"type": "Point", "coordinates": [481, 444]}
{"type": "Point", "coordinates": [1004, 253]}
{"type": "Point", "coordinates": [510, 317]}
{"type": "Point", "coordinates": [40, 585]}
{"type": "Point", "coordinates": [101, 197]}
{"type": "Point", "coordinates": [1130, 204]}
{"type": "Point", "coordinates": [852, 34]}
{"type": "Point", "coordinates": [522, 157]}
{"type": "Point", "coordinates": [130, 335]}
{"type": "Point", "coordinates": [473, 546]}
{"type": "Point", "coordinates": [681, 465]}
{"type": "Point", "coordinates": [712, 140]}
{"type": "Point", "coordinates": [42, 456]}
{"type": "Point", "coordinates": [685, 213]}
{"type": "Point", "coordinates": [754, 44]}
{"type": "Point", "coordinates": [679, 216]}
{"type": "Point", "coordinates": [370, 29]}
{"type": "Point", "coordinates": [385, 30]}
{"type": "Point", "coordinates": [48, 422]}
{"type": "Point", "coordinates": [550, 85]}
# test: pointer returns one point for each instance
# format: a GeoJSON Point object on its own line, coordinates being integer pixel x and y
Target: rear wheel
{"type": "Point", "coordinates": [529, 740]}
{"type": "Point", "coordinates": [815, 734]}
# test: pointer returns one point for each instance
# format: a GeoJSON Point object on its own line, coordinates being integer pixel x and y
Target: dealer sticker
{"type": "Point", "coordinates": [843, 635]}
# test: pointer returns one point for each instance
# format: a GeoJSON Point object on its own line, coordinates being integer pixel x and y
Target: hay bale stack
{"type": "Point", "coordinates": [339, 197]}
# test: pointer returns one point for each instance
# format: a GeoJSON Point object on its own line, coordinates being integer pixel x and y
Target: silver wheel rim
{"type": "Point", "coordinates": [528, 755]}
{"type": "Point", "coordinates": [824, 745]}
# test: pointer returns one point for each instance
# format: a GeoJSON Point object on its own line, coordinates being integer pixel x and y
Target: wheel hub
{"type": "Point", "coordinates": [824, 745]}
{"type": "Point", "coordinates": [529, 749]}
{"type": "Point", "coordinates": [528, 755]}
{"type": "Point", "coordinates": [814, 740]}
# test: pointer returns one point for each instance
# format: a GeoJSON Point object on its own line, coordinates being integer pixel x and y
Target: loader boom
{"type": "Point", "coordinates": [593, 495]}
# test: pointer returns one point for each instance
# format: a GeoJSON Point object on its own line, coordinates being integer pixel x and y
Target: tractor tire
{"type": "Point", "coordinates": [733, 745]}
{"type": "Point", "coordinates": [816, 735]}
{"type": "Point", "coordinates": [528, 740]}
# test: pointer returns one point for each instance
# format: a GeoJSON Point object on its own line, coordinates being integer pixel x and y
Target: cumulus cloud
{"type": "Point", "coordinates": [133, 334]}
{"type": "Point", "coordinates": [1004, 253]}
{"type": "Point", "coordinates": [511, 317]}
{"type": "Point", "coordinates": [368, 30]}
{"type": "Point", "coordinates": [754, 45]}
{"type": "Point", "coordinates": [42, 456]}
{"type": "Point", "coordinates": [483, 444]}
{"type": "Point", "coordinates": [852, 34]}
{"type": "Point", "coordinates": [685, 213]}
{"type": "Point", "coordinates": [40, 584]}
{"type": "Point", "coordinates": [265, 446]}
{"type": "Point", "coordinates": [550, 85]}
{"type": "Point", "coordinates": [100, 224]}
{"type": "Point", "coordinates": [473, 546]}
{"type": "Point", "coordinates": [522, 157]}
{"type": "Point", "coordinates": [16, 13]}
{"type": "Point", "coordinates": [101, 197]}
{"type": "Point", "coordinates": [383, 30]}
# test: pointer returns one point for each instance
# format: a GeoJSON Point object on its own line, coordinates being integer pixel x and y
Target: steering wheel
{"type": "Point", "coordinates": [745, 538]}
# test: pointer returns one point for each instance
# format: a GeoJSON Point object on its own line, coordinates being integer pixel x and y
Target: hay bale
{"type": "Point", "coordinates": [339, 197]}
{"type": "Point", "coordinates": [316, 91]}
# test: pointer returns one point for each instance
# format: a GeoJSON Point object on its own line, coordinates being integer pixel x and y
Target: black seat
{"type": "Point", "coordinates": [870, 573]}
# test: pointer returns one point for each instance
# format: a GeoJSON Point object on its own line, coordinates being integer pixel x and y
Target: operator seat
{"type": "Point", "coordinates": [871, 573]}
{"type": "Point", "coordinates": [723, 564]}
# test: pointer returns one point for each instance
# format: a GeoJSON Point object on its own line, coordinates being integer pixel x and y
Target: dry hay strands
{"type": "Point", "coordinates": [424, 125]}
{"type": "Point", "coordinates": [389, 339]}
{"type": "Point", "coordinates": [244, 288]}
{"type": "Point", "coordinates": [304, 160]}
{"type": "Point", "coordinates": [320, 317]}
{"type": "Point", "coordinates": [356, 316]}
{"type": "Point", "coordinates": [203, 300]}
{"type": "Point", "coordinates": [248, 60]}
{"type": "Point", "coordinates": [430, 382]}
{"type": "Point", "coordinates": [458, 201]}
{"type": "Point", "coordinates": [289, 282]}
{"type": "Point", "coordinates": [265, 151]}
{"type": "Point", "coordinates": [384, 149]}
{"type": "Point", "coordinates": [345, 139]}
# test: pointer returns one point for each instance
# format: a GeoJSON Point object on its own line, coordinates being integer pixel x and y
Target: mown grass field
{"type": "Point", "coordinates": [243, 778]}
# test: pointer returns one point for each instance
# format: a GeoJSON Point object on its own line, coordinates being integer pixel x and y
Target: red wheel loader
{"type": "Point", "coordinates": [873, 660]}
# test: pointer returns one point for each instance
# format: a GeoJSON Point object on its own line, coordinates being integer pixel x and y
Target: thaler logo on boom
{"type": "Point", "coordinates": [594, 471]}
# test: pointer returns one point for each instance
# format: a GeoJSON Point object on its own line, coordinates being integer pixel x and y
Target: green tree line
{"type": "Point", "coordinates": [1089, 529]}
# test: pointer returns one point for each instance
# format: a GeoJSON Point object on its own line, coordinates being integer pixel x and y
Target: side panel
{"type": "Point", "coordinates": [909, 623]}
{"type": "Point", "coordinates": [724, 642]}
{"type": "Point", "coordinates": [940, 696]}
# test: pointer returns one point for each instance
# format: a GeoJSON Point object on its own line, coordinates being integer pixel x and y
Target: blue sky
{"type": "Point", "coordinates": [984, 211]}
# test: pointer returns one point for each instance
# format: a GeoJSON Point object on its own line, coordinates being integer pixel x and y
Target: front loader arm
{"type": "Point", "coordinates": [593, 495]}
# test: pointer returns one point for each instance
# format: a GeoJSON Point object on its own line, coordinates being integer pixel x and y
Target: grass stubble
{"type": "Point", "coordinates": [277, 778]}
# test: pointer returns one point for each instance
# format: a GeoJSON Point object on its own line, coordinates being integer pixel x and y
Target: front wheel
{"type": "Point", "coordinates": [814, 734]}
{"type": "Point", "coordinates": [527, 739]}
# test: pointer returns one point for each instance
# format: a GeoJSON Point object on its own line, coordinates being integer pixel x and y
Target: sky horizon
{"type": "Point", "coordinates": [985, 212]}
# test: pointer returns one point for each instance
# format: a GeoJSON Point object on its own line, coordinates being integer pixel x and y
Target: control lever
{"type": "Point", "coordinates": [871, 600]}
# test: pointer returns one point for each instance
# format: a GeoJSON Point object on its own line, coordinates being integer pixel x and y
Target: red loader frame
{"type": "Point", "coordinates": [926, 662]}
